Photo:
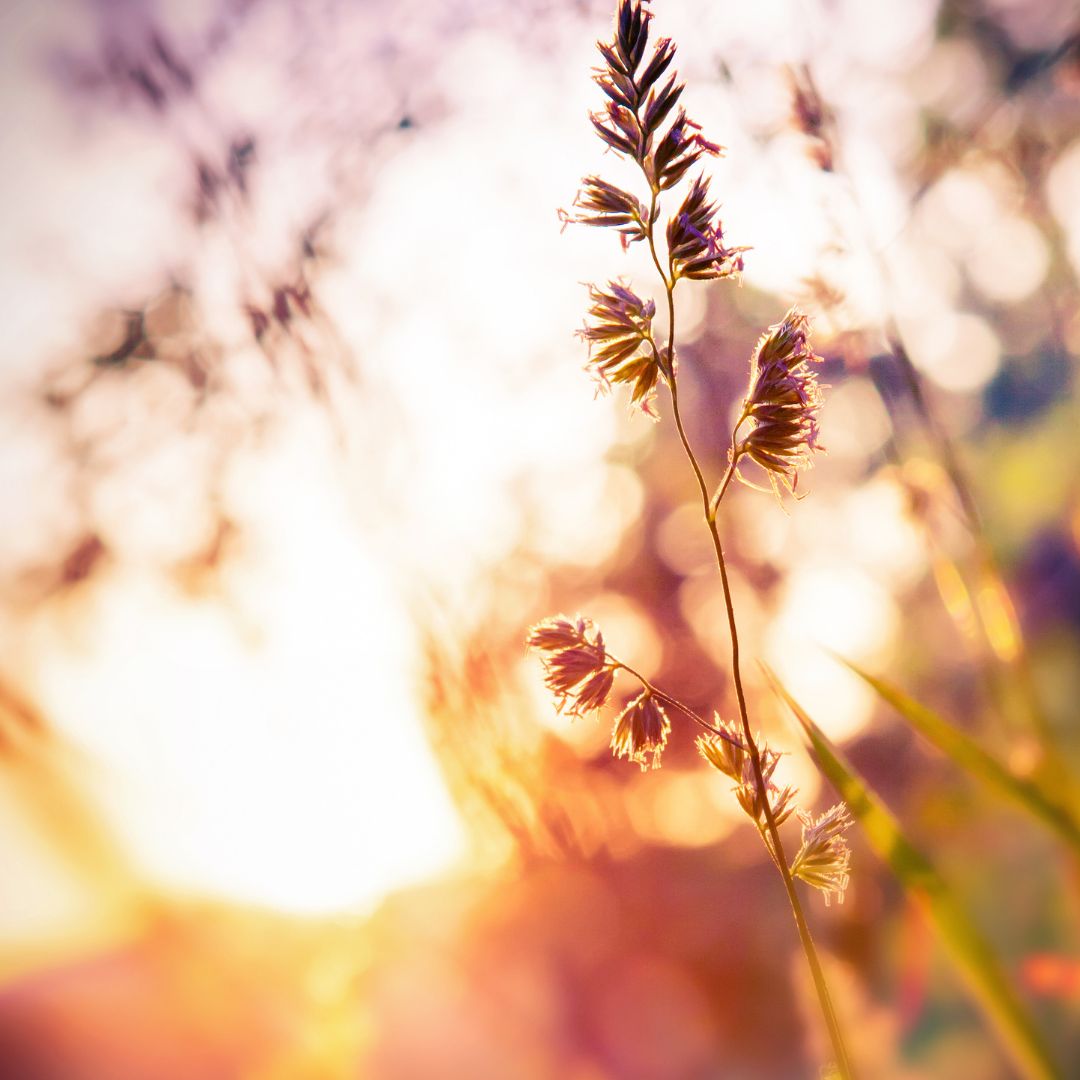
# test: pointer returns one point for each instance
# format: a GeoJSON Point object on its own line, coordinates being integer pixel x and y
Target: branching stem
{"type": "Point", "coordinates": [667, 699]}
{"type": "Point", "coordinates": [710, 507]}
{"type": "Point", "coordinates": [824, 998]}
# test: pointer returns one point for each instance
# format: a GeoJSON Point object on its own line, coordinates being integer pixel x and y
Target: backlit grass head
{"type": "Point", "coordinates": [783, 402]}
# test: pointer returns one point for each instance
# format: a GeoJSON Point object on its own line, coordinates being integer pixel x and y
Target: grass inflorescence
{"type": "Point", "coordinates": [643, 120]}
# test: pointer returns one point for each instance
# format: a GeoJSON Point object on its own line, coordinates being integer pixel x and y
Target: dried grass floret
{"type": "Point", "coordinates": [577, 670]}
{"type": "Point", "coordinates": [638, 106]}
{"type": "Point", "coordinates": [621, 347]}
{"type": "Point", "coordinates": [641, 731]}
{"type": "Point", "coordinates": [607, 206]}
{"type": "Point", "coordinates": [824, 859]}
{"type": "Point", "coordinates": [783, 402]}
{"type": "Point", "coordinates": [727, 754]}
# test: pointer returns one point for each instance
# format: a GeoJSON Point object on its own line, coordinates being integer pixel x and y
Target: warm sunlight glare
{"type": "Point", "coordinates": [260, 735]}
{"type": "Point", "coordinates": [840, 609]}
{"type": "Point", "coordinates": [268, 748]}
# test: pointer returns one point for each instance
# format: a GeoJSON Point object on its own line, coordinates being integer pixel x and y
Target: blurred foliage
{"type": "Point", "coordinates": [614, 924]}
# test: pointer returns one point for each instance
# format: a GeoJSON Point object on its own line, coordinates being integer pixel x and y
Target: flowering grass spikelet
{"type": "Point", "coordinates": [824, 859]}
{"type": "Point", "coordinates": [783, 402]}
{"type": "Point", "coordinates": [643, 120]}
{"type": "Point", "coordinates": [576, 667]}
{"type": "Point", "coordinates": [621, 348]}
{"type": "Point", "coordinates": [642, 729]}
{"type": "Point", "coordinates": [727, 754]}
{"type": "Point", "coordinates": [606, 206]}
{"type": "Point", "coordinates": [638, 105]}
{"type": "Point", "coordinates": [695, 239]}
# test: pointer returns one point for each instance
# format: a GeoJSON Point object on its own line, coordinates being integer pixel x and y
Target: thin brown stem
{"type": "Point", "coordinates": [733, 463]}
{"type": "Point", "coordinates": [843, 1062]}
{"type": "Point", "coordinates": [773, 843]}
{"type": "Point", "coordinates": [667, 699]}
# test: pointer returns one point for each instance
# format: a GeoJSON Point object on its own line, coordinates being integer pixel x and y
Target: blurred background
{"type": "Point", "coordinates": [295, 444]}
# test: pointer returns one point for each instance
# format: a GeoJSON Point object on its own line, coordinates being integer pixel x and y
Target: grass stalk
{"type": "Point", "coordinates": [710, 507]}
{"type": "Point", "coordinates": [828, 1012]}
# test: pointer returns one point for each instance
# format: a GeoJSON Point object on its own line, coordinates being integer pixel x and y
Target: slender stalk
{"type": "Point", "coordinates": [714, 503]}
{"type": "Point", "coordinates": [843, 1062]}
{"type": "Point", "coordinates": [667, 699]}
{"type": "Point", "coordinates": [710, 506]}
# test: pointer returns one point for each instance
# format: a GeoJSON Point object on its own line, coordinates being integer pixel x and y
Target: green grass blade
{"type": "Point", "coordinates": [969, 953]}
{"type": "Point", "coordinates": [973, 759]}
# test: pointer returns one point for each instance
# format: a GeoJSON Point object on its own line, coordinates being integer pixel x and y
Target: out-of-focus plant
{"type": "Point", "coordinates": [978, 594]}
{"type": "Point", "coordinates": [979, 599]}
{"type": "Point", "coordinates": [776, 432]}
{"type": "Point", "coordinates": [969, 952]}
{"type": "Point", "coordinates": [979, 763]}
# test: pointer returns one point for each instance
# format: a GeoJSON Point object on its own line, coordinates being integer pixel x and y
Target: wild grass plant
{"type": "Point", "coordinates": [776, 433]}
{"type": "Point", "coordinates": [770, 444]}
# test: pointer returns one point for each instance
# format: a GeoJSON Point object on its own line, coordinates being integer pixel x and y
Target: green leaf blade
{"type": "Point", "coordinates": [968, 951]}
{"type": "Point", "coordinates": [968, 755]}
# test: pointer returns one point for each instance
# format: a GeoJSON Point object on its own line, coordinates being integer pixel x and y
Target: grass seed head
{"type": "Point", "coordinates": [824, 859]}
{"type": "Point", "coordinates": [621, 347]}
{"type": "Point", "coordinates": [576, 666]}
{"type": "Point", "coordinates": [641, 730]}
{"type": "Point", "coordinates": [783, 402]}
